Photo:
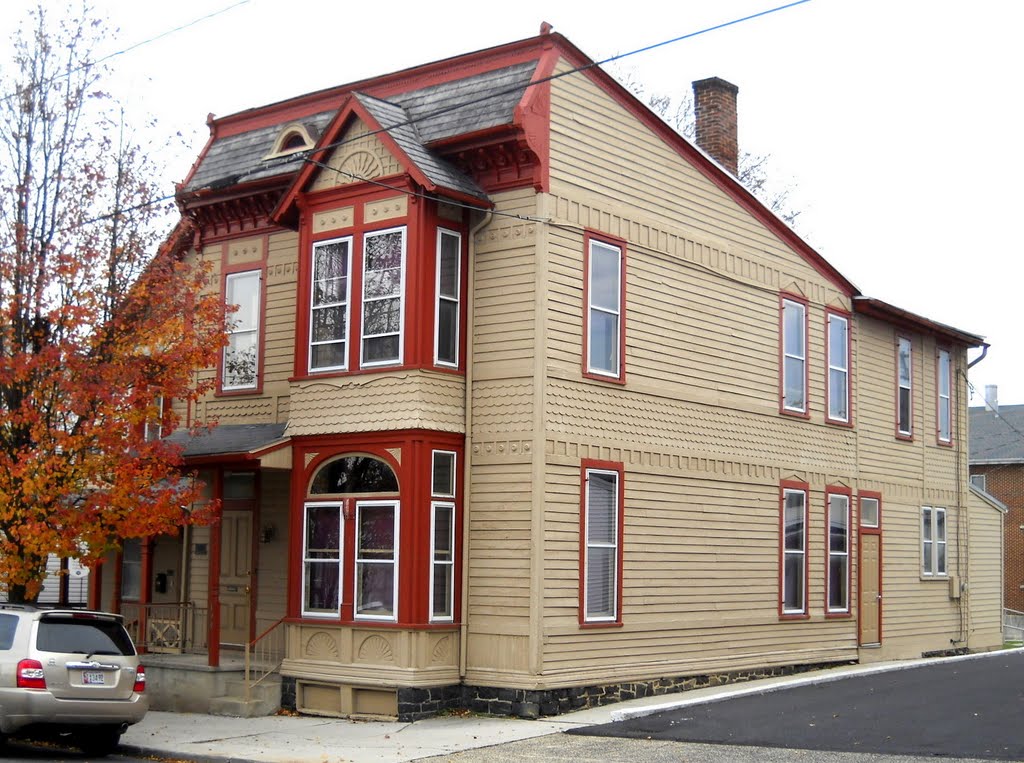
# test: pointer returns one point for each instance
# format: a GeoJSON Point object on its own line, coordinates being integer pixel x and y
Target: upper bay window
{"type": "Point", "coordinates": [240, 366]}
{"type": "Point", "coordinates": [794, 356]}
{"type": "Point", "coordinates": [329, 314]}
{"type": "Point", "coordinates": [604, 310]}
{"type": "Point", "coordinates": [446, 313]}
{"type": "Point", "coordinates": [383, 298]}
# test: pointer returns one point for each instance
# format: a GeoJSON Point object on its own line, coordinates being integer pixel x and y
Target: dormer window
{"type": "Point", "coordinates": [293, 137]}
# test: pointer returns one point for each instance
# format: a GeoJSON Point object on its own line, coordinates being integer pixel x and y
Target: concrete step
{"type": "Point", "coordinates": [264, 699]}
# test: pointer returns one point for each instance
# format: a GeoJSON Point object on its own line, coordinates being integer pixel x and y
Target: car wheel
{"type": "Point", "coordinates": [101, 740]}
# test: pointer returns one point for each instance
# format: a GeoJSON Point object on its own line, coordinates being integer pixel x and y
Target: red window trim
{"type": "Point", "coordinates": [830, 491]}
{"type": "Point", "coordinates": [829, 312]}
{"type": "Point", "coordinates": [906, 436]}
{"type": "Point", "coordinates": [806, 412]}
{"type": "Point", "coordinates": [940, 348]}
{"type": "Point", "coordinates": [590, 236]}
{"type": "Point", "coordinates": [607, 466]}
{"type": "Point", "coordinates": [805, 488]}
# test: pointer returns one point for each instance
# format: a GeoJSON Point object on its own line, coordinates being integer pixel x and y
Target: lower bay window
{"type": "Point", "coordinates": [442, 536]}
{"type": "Point", "coordinates": [322, 560]}
{"type": "Point", "coordinates": [601, 544]}
{"type": "Point", "coordinates": [376, 560]}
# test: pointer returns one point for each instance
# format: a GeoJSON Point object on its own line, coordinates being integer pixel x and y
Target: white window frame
{"type": "Point", "coordinates": [980, 481]}
{"type": "Point", "coordinates": [153, 429]}
{"type": "Point", "coordinates": [396, 361]}
{"type": "Point", "coordinates": [865, 521]}
{"type": "Point", "coordinates": [838, 368]}
{"type": "Point", "coordinates": [436, 564]}
{"type": "Point", "coordinates": [842, 503]}
{"type": "Point", "coordinates": [446, 298]}
{"type": "Point", "coordinates": [794, 354]}
{"type": "Point", "coordinates": [800, 554]}
{"type": "Point", "coordinates": [905, 384]}
{"type": "Point", "coordinates": [932, 541]}
{"type": "Point", "coordinates": [944, 427]}
{"type": "Point", "coordinates": [614, 546]}
{"type": "Point", "coordinates": [615, 372]}
{"type": "Point", "coordinates": [306, 560]}
{"type": "Point", "coordinates": [346, 306]}
{"type": "Point", "coordinates": [234, 331]}
{"type": "Point", "coordinates": [359, 562]}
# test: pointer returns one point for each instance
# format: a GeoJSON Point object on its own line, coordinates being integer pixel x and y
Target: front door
{"type": "Point", "coordinates": [870, 588]}
{"type": "Point", "coordinates": [235, 577]}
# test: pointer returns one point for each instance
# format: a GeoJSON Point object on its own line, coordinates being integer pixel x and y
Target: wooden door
{"type": "Point", "coordinates": [870, 588]}
{"type": "Point", "coordinates": [235, 577]}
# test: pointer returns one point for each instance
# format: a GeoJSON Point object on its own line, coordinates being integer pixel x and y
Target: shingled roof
{"type": "Point", "coordinates": [996, 438]}
{"type": "Point", "coordinates": [427, 115]}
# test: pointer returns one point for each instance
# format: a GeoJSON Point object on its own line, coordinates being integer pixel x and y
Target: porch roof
{"type": "Point", "coordinates": [233, 442]}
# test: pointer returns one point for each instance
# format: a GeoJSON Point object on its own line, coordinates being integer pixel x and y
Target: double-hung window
{"type": "Point", "coordinates": [933, 541]}
{"type": "Point", "coordinates": [328, 322]}
{"type": "Point", "coordinates": [904, 388]}
{"type": "Point", "coordinates": [838, 368]}
{"type": "Point", "coordinates": [442, 537]}
{"type": "Point", "coordinates": [793, 599]}
{"type": "Point", "coordinates": [601, 545]}
{"type": "Point", "coordinates": [376, 560]}
{"type": "Point", "coordinates": [944, 412]}
{"type": "Point", "coordinates": [321, 560]}
{"type": "Point", "coordinates": [605, 299]}
{"type": "Point", "coordinates": [794, 356]}
{"type": "Point", "coordinates": [240, 368]}
{"type": "Point", "coordinates": [838, 552]}
{"type": "Point", "coordinates": [446, 313]}
{"type": "Point", "coordinates": [383, 300]}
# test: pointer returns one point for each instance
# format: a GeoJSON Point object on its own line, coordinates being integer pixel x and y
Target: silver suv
{"type": "Point", "coordinates": [68, 675]}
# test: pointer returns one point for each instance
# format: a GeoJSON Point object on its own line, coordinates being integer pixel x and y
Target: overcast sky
{"type": "Point", "coordinates": [897, 122]}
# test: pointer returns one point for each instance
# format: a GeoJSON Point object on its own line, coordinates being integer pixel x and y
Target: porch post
{"type": "Point", "coordinates": [146, 573]}
{"type": "Point", "coordinates": [96, 586]}
{"type": "Point", "coordinates": [213, 590]}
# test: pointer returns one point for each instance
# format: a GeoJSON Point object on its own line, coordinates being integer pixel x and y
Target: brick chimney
{"type": "Point", "coordinates": [714, 102]}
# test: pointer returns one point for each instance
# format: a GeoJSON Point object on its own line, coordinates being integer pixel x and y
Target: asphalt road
{"type": "Point", "coordinates": [960, 709]}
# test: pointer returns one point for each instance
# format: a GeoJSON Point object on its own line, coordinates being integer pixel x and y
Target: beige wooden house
{"type": "Point", "coordinates": [529, 405]}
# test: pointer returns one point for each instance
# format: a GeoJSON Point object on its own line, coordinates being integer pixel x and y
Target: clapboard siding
{"type": "Point", "coordinates": [985, 593]}
{"type": "Point", "coordinates": [273, 555]}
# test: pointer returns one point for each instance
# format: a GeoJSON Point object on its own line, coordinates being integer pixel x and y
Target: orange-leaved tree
{"type": "Point", "coordinates": [99, 326]}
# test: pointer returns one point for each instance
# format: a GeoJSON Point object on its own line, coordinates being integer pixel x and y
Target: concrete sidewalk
{"type": "Point", "coordinates": [287, 739]}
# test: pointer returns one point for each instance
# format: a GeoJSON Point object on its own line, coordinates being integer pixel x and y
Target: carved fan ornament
{"type": "Point", "coordinates": [376, 649]}
{"type": "Point", "coordinates": [442, 651]}
{"type": "Point", "coordinates": [322, 646]}
{"type": "Point", "coordinates": [360, 165]}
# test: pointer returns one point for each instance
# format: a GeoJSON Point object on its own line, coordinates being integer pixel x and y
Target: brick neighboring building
{"type": "Point", "coordinates": [997, 467]}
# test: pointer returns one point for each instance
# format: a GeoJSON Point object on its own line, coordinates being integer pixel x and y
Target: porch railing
{"type": "Point", "coordinates": [263, 656]}
{"type": "Point", "coordinates": [174, 628]}
{"type": "Point", "coordinates": [1013, 625]}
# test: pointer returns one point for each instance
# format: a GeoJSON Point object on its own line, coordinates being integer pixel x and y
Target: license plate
{"type": "Point", "coordinates": [93, 678]}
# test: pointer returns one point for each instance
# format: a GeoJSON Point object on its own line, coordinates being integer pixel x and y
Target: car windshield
{"type": "Point", "coordinates": [76, 635]}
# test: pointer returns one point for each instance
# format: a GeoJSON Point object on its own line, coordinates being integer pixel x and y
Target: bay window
{"type": "Point", "coordinates": [446, 313]}
{"type": "Point", "coordinates": [321, 559]}
{"type": "Point", "coordinates": [383, 298]}
{"type": "Point", "coordinates": [376, 562]}
{"type": "Point", "coordinates": [328, 322]}
{"type": "Point", "coordinates": [442, 536]}
{"type": "Point", "coordinates": [240, 366]}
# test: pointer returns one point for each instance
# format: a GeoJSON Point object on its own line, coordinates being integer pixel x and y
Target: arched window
{"type": "Point", "coordinates": [293, 137]}
{"type": "Point", "coordinates": [354, 474]}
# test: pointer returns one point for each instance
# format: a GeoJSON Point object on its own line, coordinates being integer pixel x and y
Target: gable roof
{"type": "Point", "coordinates": [996, 438]}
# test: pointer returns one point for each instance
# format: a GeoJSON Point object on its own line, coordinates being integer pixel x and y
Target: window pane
{"type": "Point", "coordinates": [869, 512]}
{"type": "Point", "coordinates": [243, 290]}
{"type": "Point", "coordinates": [604, 276]}
{"type": "Point", "coordinates": [354, 474]}
{"type": "Point", "coordinates": [793, 592]}
{"type": "Point", "coordinates": [441, 605]}
{"type": "Point", "coordinates": [904, 362]}
{"type": "Point", "coordinates": [448, 266]}
{"type": "Point", "coordinates": [382, 316]}
{"type": "Point", "coordinates": [447, 331]}
{"type": "Point", "coordinates": [443, 477]}
{"type": "Point", "coordinates": [376, 532]}
{"type": "Point", "coordinates": [837, 577]}
{"type": "Point", "coordinates": [940, 526]}
{"type": "Point", "coordinates": [603, 344]}
{"type": "Point", "coordinates": [793, 327]}
{"type": "Point", "coordinates": [322, 585]}
{"type": "Point", "coordinates": [904, 423]}
{"type": "Point", "coordinates": [794, 383]}
{"type": "Point", "coordinates": [837, 337]}
{"type": "Point", "coordinates": [601, 582]}
{"type": "Point", "coordinates": [323, 532]}
{"type": "Point", "coordinates": [794, 521]}
{"type": "Point", "coordinates": [239, 486]}
{"type": "Point", "coordinates": [328, 355]}
{"type": "Point", "coordinates": [940, 562]}
{"type": "Point", "coordinates": [329, 324]}
{"type": "Point", "coordinates": [443, 554]}
{"type": "Point", "coordinates": [240, 360]}
{"type": "Point", "coordinates": [375, 589]}
{"type": "Point", "coordinates": [838, 403]}
{"type": "Point", "coordinates": [601, 505]}
{"type": "Point", "coordinates": [838, 515]}
{"type": "Point", "coordinates": [380, 349]}
{"type": "Point", "coordinates": [444, 517]}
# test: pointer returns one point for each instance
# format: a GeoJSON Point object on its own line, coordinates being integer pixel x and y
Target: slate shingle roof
{"type": "Point", "coordinates": [490, 99]}
{"type": "Point", "coordinates": [228, 438]}
{"type": "Point", "coordinates": [996, 438]}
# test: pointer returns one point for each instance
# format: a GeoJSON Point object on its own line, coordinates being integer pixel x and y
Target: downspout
{"type": "Point", "coordinates": [467, 452]}
{"type": "Point", "coordinates": [964, 536]}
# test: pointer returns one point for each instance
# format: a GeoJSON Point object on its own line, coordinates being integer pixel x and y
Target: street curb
{"type": "Point", "coordinates": [158, 752]}
{"type": "Point", "coordinates": [837, 675]}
